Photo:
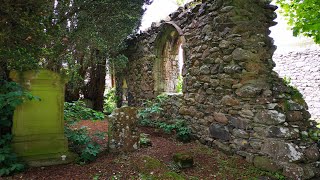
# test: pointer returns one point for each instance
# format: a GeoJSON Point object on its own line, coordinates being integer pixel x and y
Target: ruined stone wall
{"type": "Point", "coordinates": [231, 98]}
{"type": "Point", "coordinates": [302, 67]}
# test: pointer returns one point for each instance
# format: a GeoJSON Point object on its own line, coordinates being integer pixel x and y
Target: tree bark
{"type": "Point", "coordinates": [94, 89]}
{"type": "Point", "coordinates": [119, 90]}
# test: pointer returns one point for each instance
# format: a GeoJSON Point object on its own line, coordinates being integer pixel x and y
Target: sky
{"type": "Point", "coordinates": [281, 33]}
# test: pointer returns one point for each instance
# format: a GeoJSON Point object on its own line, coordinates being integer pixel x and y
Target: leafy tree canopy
{"type": "Point", "coordinates": [303, 16]}
{"type": "Point", "coordinates": [46, 32]}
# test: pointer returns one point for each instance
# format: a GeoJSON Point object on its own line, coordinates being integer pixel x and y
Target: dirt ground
{"type": "Point", "coordinates": [153, 162]}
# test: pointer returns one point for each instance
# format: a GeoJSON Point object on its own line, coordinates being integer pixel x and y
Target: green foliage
{"type": "Point", "coordinates": [152, 109]}
{"type": "Point", "coordinates": [180, 2]}
{"type": "Point", "coordinates": [9, 162]}
{"type": "Point", "coordinates": [303, 16]}
{"type": "Point", "coordinates": [287, 80]}
{"type": "Point", "coordinates": [295, 94]}
{"type": "Point", "coordinates": [81, 143]}
{"type": "Point", "coordinates": [11, 95]}
{"type": "Point", "coordinates": [183, 132]}
{"type": "Point", "coordinates": [110, 101]}
{"type": "Point", "coordinates": [77, 111]}
{"type": "Point", "coordinates": [179, 85]}
{"type": "Point", "coordinates": [314, 134]}
{"type": "Point", "coordinates": [144, 140]}
{"type": "Point", "coordinates": [118, 63]}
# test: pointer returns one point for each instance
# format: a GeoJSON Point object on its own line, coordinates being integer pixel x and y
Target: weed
{"type": "Point", "coordinates": [144, 141]}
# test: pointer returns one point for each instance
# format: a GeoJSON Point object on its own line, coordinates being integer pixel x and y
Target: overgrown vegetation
{"type": "Point", "coordinates": [9, 163]}
{"type": "Point", "coordinates": [179, 85]}
{"type": "Point", "coordinates": [11, 95]}
{"type": "Point", "coordinates": [77, 110]}
{"type": "Point", "coordinates": [110, 101]}
{"type": "Point", "coordinates": [144, 140]}
{"type": "Point", "coordinates": [83, 144]}
{"type": "Point", "coordinates": [295, 93]}
{"type": "Point", "coordinates": [77, 38]}
{"type": "Point", "coordinates": [80, 141]}
{"type": "Point", "coordinates": [148, 116]}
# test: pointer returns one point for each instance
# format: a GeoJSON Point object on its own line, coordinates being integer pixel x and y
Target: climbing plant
{"type": "Point", "coordinates": [11, 95]}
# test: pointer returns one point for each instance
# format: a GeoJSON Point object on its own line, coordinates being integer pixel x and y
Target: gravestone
{"type": "Point", "coordinates": [38, 126]}
{"type": "Point", "coordinates": [123, 132]}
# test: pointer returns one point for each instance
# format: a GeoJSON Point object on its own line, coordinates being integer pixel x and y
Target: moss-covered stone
{"type": "Point", "coordinates": [38, 126]}
{"type": "Point", "coordinates": [266, 164]}
{"type": "Point", "coordinates": [183, 160]}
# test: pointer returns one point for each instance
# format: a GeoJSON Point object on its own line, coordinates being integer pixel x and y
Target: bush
{"type": "Point", "coordinates": [76, 111]}
{"type": "Point", "coordinates": [110, 101]}
{"type": "Point", "coordinates": [81, 143]}
{"type": "Point", "coordinates": [9, 162]}
{"type": "Point", "coordinates": [11, 95]}
{"type": "Point", "coordinates": [146, 118]}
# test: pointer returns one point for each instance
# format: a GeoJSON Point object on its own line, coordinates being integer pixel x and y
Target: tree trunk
{"type": "Point", "coordinates": [119, 90]}
{"type": "Point", "coordinates": [94, 89]}
{"type": "Point", "coordinates": [72, 91]}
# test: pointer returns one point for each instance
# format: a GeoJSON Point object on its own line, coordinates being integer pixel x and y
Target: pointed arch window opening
{"type": "Point", "coordinates": [169, 62]}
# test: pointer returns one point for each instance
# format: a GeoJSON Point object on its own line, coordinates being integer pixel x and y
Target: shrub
{"type": "Point", "coordinates": [9, 162]}
{"type": "Point", "coordinates": [76, 111]}
{"type": "Point", "coordinates": [146, 118]}
{"type": "Point", "coordinates": [110, 101]}
{"type": "Point", "coordinates": [81, 143]}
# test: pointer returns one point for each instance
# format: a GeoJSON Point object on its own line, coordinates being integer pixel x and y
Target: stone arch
{"type": "Point", "coordinates": [166, 66]}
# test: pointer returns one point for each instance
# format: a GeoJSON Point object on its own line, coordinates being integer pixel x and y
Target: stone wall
{"type": "Point", "coordinates": [232, 99]}
{"type": "Point", "coordinates": [302, 67]}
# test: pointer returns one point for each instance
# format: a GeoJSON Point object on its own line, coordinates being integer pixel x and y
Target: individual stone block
{"type": "Point", "coordinates": [282, 151]}
{"type": "Point", "coordinates": [220, 132]}
{"type": "Point", "coordinates": [266, 164]}
{"type": "Point", "coordinates": [221, 118]}
{"type": "Point", "coordinates": [270, 117]}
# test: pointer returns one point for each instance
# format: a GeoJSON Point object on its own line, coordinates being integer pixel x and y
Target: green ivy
{"type": "Point", "coordinates": [11, 95]}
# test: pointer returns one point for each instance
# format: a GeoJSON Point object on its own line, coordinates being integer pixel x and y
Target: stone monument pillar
{"type": "Point", "coordinates": [38, 126]}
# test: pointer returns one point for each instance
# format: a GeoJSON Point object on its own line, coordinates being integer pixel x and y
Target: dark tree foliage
{"type": "Point", "coordinates": [75, 37]}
